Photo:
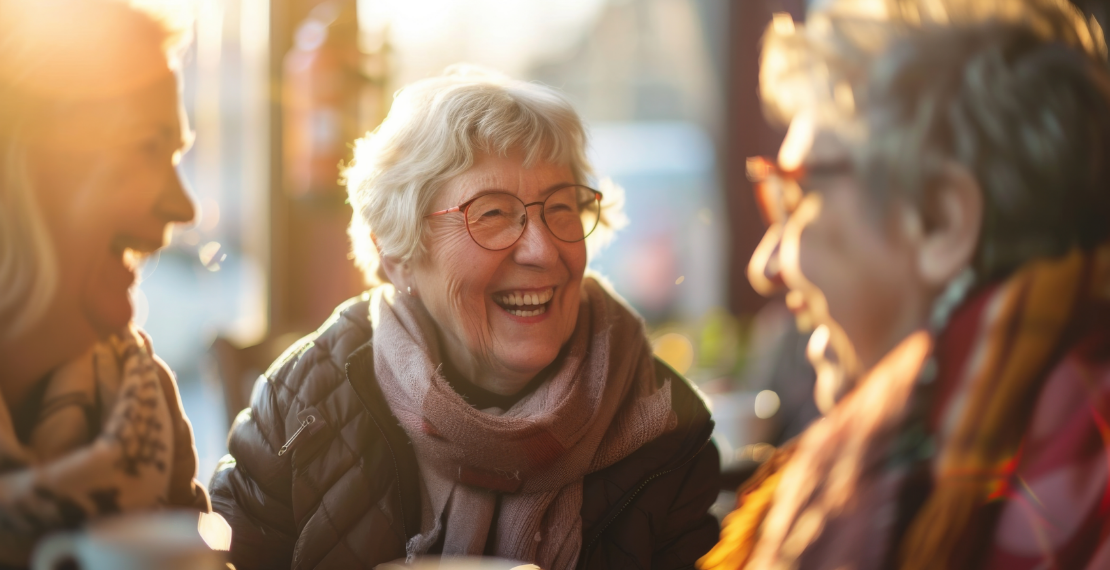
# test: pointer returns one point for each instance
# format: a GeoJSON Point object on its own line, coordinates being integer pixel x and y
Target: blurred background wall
{"type": "Point", "coordinates": [277, 90]}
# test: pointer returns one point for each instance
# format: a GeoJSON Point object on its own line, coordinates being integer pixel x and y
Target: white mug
{"type": "Point", "coordinates": [159, 540]}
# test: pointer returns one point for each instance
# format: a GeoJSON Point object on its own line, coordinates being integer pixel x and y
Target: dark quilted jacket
{"type": "Point", "coordinates": [346, 493]}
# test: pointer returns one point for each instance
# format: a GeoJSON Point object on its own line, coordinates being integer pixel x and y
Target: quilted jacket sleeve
{"type": "Point", "coordinates": [689, 530]}
{"type": "Point", "coordinates": [252, 485]}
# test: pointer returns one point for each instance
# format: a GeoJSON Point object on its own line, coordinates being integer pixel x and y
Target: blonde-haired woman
{"type": "Point", "coordinates": [489, 398]}
{"type": "Point", "coordinates": [90, 131]}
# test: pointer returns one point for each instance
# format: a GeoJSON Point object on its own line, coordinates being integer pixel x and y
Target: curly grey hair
{"type": "Point", "coordinates": [1016, 91]}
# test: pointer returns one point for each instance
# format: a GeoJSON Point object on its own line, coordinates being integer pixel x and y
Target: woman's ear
{"type": "Point", "coordinates": [395, 272]}
{"type": "Point", "coordinates": [398, 272]}
{"type": "Point", "coordinates": [951, 221]}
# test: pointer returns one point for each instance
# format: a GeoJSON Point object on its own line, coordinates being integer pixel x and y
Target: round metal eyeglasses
{"type": "Point", "coordinates": [496, 220]}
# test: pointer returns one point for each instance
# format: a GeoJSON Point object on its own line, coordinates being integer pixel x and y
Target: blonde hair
{"type": "Point", "coordinates": [434, 131]}
{"type": "Point", "coordinates": [35, 36]}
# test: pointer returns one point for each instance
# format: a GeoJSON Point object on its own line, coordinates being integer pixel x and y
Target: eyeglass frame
{"type": "Point", "coordinates": [761, 169]}
{"type": "Point", "coordinates": [466, 219]}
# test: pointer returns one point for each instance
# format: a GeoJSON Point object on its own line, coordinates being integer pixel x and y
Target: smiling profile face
{"type": "Point", "coordinates": [848, 271]}
{"type": "Point", "coordinates": [104, 174]}
{"type": "Point", "coordinates": [503, 315]}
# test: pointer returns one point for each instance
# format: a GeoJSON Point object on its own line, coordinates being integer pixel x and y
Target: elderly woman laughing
{"type": "Point", "coordinates": [487, 398]}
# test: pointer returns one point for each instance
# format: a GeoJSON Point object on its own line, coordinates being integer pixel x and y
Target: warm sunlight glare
{"type": "Point", "coordinates": [428, 35]}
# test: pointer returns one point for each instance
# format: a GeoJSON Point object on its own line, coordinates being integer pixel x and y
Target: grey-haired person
{"type": "Point", "coordinates": [488, 398]}
{"type": "Point", "coordinates": [939, 212]}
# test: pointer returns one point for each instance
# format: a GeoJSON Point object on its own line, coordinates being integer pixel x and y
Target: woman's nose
{"type": "Point", "coordinates": [174, 203]}
{"type": "Point", "coordinates": [537, 245]}
{"type": "Point", "coordinates": [765, 267]}
{"type": "Point", "coordinates": [773, 270]}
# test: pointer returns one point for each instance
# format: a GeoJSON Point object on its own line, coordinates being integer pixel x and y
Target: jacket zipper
{"type": "Point", "coordinates": [307, 421]}
{"type": "Point", "coordinates": [385, 438]}
{"type": "Point", "coordinates": [585, 552]}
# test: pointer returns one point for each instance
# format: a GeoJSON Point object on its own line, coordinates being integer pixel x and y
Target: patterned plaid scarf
{"type": "Point", "coordinates": [820, 502]}
{"type": "Point", "coordinates": [109, 437]}
{"type": "Point", "coordinates": [1027, 326]}
{"type": "Point", "coordinates": [600, 404]}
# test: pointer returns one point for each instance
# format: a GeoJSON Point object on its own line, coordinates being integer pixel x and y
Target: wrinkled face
{"type": "Point", "coordinates": [105, 178]}
{"type": "Point", "coordinates": [505, 312]}
{"type": "Point", "coordinates": [848, 273]}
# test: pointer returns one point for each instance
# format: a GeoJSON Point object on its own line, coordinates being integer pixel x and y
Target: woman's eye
{"type": "Point", "coordinates": [491, 213]}
{"type": "Point", "coordinates": [150, 147]}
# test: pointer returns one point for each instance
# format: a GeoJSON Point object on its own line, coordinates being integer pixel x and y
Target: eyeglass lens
{"type": "Point", "coordinates": [497, 220]}
{"type": "Point", "coordinates": [777, 199]}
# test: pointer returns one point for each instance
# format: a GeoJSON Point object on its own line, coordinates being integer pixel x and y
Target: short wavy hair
{"type": "Point", "coordinates": [435, 130]}
{"type": "Point", "coordinates": [1016, 91]}
{"type": "Point", "coordinates": [39, 41]}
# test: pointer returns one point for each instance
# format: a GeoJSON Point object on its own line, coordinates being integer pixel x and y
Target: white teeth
{"type": "Point", "coordinates": [518, 298]}
{"type": "Point", "coordinates": [522, 313]}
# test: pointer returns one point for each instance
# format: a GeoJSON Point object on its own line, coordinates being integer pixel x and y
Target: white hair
{"type": "Point", "coordinates": [434, 131]}
{"type": "Point", "coordinates": [31, 37]}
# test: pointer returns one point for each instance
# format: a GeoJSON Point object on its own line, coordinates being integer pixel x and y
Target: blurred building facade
{"type": "Point", "coordinates": [644, 75]}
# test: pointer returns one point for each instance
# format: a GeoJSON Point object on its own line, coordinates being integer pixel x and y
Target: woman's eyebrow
{"type": "Point", "coordinates": [494, 190]}
{"type": "Point", "coordinates": [827, 166]}
{"type": "Point", "coordinates": [556, 187]}
{"type": "Point", "coordinates": [484, 191]}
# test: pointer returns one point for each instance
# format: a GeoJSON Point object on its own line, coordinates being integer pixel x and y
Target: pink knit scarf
{"type": "Point", "coordinates": [600, 405]}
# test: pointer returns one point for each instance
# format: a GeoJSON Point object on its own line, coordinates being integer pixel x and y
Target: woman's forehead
{"type": "Point", "coordinates": [828, 146]}
{"type": "Point", "coordinates": [811, 141]}
{"type": "Point", "coordinates": [506, 174]}
{"type": "Point", "coordinates": [153, 109]}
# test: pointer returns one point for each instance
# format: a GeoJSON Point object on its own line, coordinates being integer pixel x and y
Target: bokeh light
{"type": "Point", "coordinates": [676, 350]}
{"type": "Point", "coordinates": [766, 404]}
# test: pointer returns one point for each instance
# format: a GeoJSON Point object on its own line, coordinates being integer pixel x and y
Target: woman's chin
{"type": "Point", "coordinates": [529, 361]}
{"type": "Point", "coordinates": [106, 296]}
{"type": "Point", "coordinates": [108, 314]}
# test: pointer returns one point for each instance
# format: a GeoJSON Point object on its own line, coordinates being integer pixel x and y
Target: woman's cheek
{"type": "Point", "coordinates": [810, 258]}
{"type": "Point", "coordinates": [136, 194]}
{"type": "Point", "coordinates": [570, 316]}
{"type": "Point", "coordinates": [466, 307]}
{"type": "Point", "coordinates": [576, 258]}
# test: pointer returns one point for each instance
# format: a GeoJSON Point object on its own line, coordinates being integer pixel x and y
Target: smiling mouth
{"type": "Point", "coordinates": [131, 251]}
{"type": "Point", "coordinates": [525, 303]}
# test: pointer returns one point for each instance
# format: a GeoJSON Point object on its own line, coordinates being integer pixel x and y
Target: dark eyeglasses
{"type": "Point", "coordinates": [778, 191]}
{"type": "Point", "coordinates": [496, 220]}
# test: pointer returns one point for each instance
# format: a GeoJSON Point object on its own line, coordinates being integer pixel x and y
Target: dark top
{"type": "Point", "coordinates": [347, 492]}
{"type": "Point", "coordinates": [479, 397]}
